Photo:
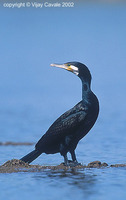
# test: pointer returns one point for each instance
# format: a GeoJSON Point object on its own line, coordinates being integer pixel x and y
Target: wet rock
{"type": "Point", "coordinates": [118, 165]}
{"type": "Point", "coordinates": [15, 163]}
{"type": "Point", "coordinates": [96, 164]}
{"type": "Point", "coordinates": [104, 164]}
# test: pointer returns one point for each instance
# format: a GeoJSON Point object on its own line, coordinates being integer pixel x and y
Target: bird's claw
{"type": "Point", "coordinates": [71, 163]}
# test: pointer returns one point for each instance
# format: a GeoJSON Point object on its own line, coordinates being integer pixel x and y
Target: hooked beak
{"type": "Point", "coordinates": [64, 66]}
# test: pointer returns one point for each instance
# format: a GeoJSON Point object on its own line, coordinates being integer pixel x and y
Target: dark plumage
{"type": "Point", "coordinates": [64, 134]}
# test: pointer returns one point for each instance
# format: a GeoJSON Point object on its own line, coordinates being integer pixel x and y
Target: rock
{"type": "Point", "coordinates": [96, 164]}
{"type": "Point", "coordinates": [104, 164]}
{"type": "Point", "coordinates": [118, 165]}
{"type": "Point", "coordinates": [15, 163]}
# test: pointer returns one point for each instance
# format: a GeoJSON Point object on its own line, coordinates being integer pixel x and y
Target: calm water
{"type": "Point", "coordinates": [33, 95]}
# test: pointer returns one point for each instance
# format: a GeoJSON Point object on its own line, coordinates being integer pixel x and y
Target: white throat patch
{"type": "Point", "coordinates": [75, 69]}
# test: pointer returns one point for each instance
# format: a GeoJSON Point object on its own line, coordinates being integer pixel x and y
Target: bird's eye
{"type": "Point", "coordinates": [68, 65]}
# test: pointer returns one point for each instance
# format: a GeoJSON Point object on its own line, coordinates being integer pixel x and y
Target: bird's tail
{"type": "Point", "coordinates": [31, 156]}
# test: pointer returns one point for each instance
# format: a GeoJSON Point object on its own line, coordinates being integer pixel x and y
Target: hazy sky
{"type": "Point", "coordinates": [31, 39]}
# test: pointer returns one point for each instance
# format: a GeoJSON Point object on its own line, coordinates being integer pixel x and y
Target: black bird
{"type": "Point", "coordinates": [64, 134]}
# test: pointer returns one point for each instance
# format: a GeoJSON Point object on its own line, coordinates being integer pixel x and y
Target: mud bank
{"type": "Point", "coordinates": [15, 143]}
{"type": "Point", "coordinates": [16, 165]}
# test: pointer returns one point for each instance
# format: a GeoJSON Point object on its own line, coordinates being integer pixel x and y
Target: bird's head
{"type": "Point", "coordinates": [78, 69]}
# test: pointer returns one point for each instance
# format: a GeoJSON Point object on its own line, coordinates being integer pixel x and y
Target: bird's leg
{"type": "Point", "coordinates": [66, 160]}
{"type": "Point", "coordinates": [75, 162]}
{"type": "Point", "coordinates": [73, 156]}
{"type": "Point", "coordinates": [70, 163]}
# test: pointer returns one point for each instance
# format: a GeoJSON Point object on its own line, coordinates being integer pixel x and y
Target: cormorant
{"type": "Point", "coordinates": [64, 134]}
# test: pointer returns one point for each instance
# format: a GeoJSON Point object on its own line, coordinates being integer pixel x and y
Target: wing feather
{"type": "Point", "coordinates": [69, 120]}
{"type": "Point", "coordinates": [65, 125]}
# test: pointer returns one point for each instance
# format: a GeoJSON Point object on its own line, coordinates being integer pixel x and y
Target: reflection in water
{"type": "Point", "coordinates": [73, 182]}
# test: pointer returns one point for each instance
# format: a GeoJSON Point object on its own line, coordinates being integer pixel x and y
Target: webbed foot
{"type": "Point", "coordinates": [71, 163]}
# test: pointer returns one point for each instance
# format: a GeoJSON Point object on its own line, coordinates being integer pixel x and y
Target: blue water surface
{"type": "Point", "coordinates": [34, 95]}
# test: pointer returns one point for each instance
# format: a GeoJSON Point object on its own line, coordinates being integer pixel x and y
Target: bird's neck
{"type": "Point", "coordinates": [86, 92]}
